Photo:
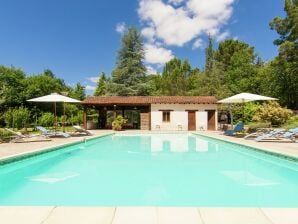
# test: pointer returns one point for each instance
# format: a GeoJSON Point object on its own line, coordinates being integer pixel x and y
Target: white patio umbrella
{"type": "Point", "coordinates": [243, 98]}
{"type": "Point", "coordinates": [55, 98]}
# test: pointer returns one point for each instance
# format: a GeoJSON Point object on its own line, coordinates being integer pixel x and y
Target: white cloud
{"type": "Point", "coordinates": [157, 55]}
{"type": "Point", "coordinates": [222, 36]}
{"type": "Point", "coordinates": [212, 9]}
{"type": "Point", "coordinates": [197, 44]}
{"type": "Point", "coordinates": [93, 79]}
{"type": "Point", "coordinates": [178, 22]}
{"type": "Point", "coordinates": [172, 26]}
{"type": "Point", "coordinates": [148, 33]}
{"type": "Point", "coordinates": [90, 88]}
{"type": "Point", "coordinates": [151, 70]}
{"type": "Point", "coordinates": [120, 27]}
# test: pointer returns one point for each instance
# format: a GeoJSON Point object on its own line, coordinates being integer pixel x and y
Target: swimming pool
{"type": "Point", "coordinates": [151, 170]}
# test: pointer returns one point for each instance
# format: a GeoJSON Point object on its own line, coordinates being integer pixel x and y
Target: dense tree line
{"type": "Point", "coordinates": [16, 87]}
{"type": "Point", "coordinates": [231, 68]}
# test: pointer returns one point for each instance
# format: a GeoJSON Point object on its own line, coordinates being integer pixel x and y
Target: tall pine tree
{"type": "Point", "coordinates": [101, 85]}
{"type": "Point", "coordinates": [175, 77]}
{"type": "Point", "coordinates": [285, 65]}
{"type": "Point", "coordinates": [209, 56]}
{"type": "Point", "coordinates": [287, 27]}
{"type": "Point", "coordinates": [129, 75]}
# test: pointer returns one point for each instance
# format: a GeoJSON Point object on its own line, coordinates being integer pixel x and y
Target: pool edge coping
{"type": "Point", "coordinates": [24, 155]}
{"type": "Point", "coordinates": [255, 148]}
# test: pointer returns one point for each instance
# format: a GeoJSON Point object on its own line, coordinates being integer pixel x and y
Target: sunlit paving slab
{"type": "Point", "coordinates": [282, 215]}
{"type": "Point", "coordinates": [173, 215]}
{"type": "Point", "coordinates": [233, 216]}
{"type": "Point", "coordinates": [135, 215]}
{"type": "Point", "coordinates": [78, 215]}
{"type": "Point", "coordinates": [24, 215]}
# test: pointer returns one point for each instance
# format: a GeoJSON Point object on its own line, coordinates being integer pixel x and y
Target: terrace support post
{"type": "Point", "coordinates": [85, 118]}
{"type": "Point", "coordinates": [114, 112]}
{"type": "Point", "coordinates": [102, 117]}
{"type": "Point", "coordinates": [99, 118]}
{"type": "Point", "coordinates": [64, 118]}
{"type": "Point", "coordinates": [231, 114]}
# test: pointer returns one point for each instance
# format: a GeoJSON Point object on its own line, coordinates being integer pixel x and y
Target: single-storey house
{"type": "Point", "coordinates": [155, 112]}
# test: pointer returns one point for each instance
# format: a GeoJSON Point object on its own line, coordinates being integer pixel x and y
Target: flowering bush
{"type": "Point", "coordinates": [272, 112]}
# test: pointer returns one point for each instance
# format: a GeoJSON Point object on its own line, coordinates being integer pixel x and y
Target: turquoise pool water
{"type": "Point", "coordinates": [153, 169]}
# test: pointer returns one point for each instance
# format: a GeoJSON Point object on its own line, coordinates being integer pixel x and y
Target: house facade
{"type": "Point", "coordinates": [186, 113]}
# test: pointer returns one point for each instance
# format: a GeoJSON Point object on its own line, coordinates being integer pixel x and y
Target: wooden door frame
{"type": "Point", "coordinates": [214, 123]}
{"type": "Point", "coordinates": [195, 119]}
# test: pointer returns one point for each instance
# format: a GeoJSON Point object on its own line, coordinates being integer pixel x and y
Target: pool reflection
{"type": "Point", "coordinates": [178, 144]}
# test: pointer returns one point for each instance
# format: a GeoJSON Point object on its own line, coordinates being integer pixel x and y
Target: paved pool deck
{"type": "Point", "coordinates": [8, 150]}
{"type": "Point", "coordinates": [147, 215]}
{"type": "Point", "coordinates": [144, 215]}
{"type": "Point", "coordinates": [287, 148]}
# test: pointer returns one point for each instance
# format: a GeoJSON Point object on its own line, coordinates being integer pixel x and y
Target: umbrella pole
{"type": "Point", "coordinates": [231, 114]}
{"type": "Point", "coordinates": [63, 116]}
{"type": "Point", "coordinates": [55, 110]}
{"type": "Point", "coordinates": [243, 113]}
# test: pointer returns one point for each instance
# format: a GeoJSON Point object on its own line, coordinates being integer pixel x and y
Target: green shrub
{"type": "Point", "coordinates": [76, 120]}
{"type": "Point", "coordinates": [17, 118]}
{"type": "Point", "coordinates": [4, 135]}
{"type": "Point", "coordinates": [272, 112]}
{"type": "Point", "coordinates": [118, 123]}
{"type": "Point", "coordinates": [254, 126]}
{"type": "Point", "coordinates": [47, 119]}
{"type": "Point", "coordinates": [244, 112]}
{"type": "Point", "coordinates": [80, 116]}
{"type": "Point", "coordinates": [21, 117]}
{"type": "Point", "coordinates": [63, 119]}
{"type": "Point", "coordinates": [292, 122]}
{"type": "Point", "coordinates": [8, 118]}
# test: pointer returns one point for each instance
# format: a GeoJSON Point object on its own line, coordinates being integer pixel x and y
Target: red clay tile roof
{"type": "Point", "coordinates": [147, 100]}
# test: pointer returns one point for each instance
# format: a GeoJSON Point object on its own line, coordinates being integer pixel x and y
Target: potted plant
{"type": "Point", "coordinates": [118, 123]}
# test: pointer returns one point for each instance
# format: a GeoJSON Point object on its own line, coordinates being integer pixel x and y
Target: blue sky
{"type": "Point", "coordinates": [78, 39]}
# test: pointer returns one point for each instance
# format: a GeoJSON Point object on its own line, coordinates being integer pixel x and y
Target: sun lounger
{"type": "Point", "coordinates": [20, 138]}
{"type": "Point", "coordinates": [80, 130]}
{"type": "Point", "coordinates": [238, 128]}
{"type": "Point", "coordinates": [50, 133]}
{"type": "Point", "coordinates": [292, 133]}
{"type": "Point", "coordinates": [260, 133]}
{"type": "Point", "coordinates": [255, 134]}
{"type": "Point", "coordinates": [279, 136]}
{"type": "Point", "coordinates": [295, 130]}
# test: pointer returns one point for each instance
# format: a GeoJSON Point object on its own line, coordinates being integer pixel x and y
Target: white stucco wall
{"type": "Point", "coordinates": [201, 120]}
{"type": "Point", "coordinates": [179, 116]}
